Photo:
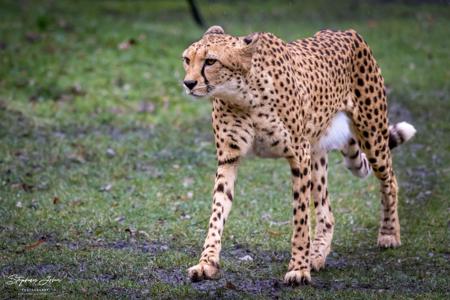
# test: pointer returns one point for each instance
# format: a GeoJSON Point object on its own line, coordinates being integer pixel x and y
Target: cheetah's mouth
{"type": "Point", "coordinates": [196, 95]}
{"type": "Point", "coordinates": [201, 91]}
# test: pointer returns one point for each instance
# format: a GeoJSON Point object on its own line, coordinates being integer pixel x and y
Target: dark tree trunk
{"type": "Point", "coordinates": [196, 14]}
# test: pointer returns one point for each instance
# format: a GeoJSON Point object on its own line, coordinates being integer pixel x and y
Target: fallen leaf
{"type": "Point", "coordinates": [76, 157]}
{"type": "Point", "coordinates": [229, 285]}
{"type": "Point", "coordinates": [36, 244]}
{"type": "Point", "coordinates": [273, 233]}
{"type": "Point", "coordinates": [27, 187]}
{"type": "Point", "coordinates": [76, 202]}
{"type": "Point", "coordinates": [127, 44]}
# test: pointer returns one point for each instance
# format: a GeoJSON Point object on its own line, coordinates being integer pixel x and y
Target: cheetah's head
{"type": "Point", "coordinates": [216, 65]}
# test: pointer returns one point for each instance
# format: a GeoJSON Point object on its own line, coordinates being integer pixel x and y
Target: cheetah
{"type": "Point", "coordinates": [295, 100]}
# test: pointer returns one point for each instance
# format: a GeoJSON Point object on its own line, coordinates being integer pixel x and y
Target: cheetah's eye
{"type": "Point", "coordinates": [186, 60]}
{"type": "Point", "coordinates": [210, 61]}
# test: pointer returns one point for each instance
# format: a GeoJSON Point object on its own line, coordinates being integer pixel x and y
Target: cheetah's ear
{"type": "Point", "coordinates": [251, 38]}
{"type": "Point", "coordinates": [216, 29]}
{"type": "Point", "coordinates": [247, 51]}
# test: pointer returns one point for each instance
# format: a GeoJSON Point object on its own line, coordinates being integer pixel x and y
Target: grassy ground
{"type": "Point", "coordinates": [106, 168]}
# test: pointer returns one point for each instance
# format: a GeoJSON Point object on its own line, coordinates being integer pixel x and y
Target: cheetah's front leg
{"type": "Point", "coordinates": [208, 267]}
{"type": "Point", "coordinates": [321, 244]}
{"type": "Point", "coordinates": [299, 266]}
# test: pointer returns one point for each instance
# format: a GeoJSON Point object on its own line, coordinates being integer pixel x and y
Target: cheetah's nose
{"type": "Point", "coordinates": [190, 83]}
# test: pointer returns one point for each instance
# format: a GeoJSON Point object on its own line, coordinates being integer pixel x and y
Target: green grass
{"type": "Point", "coordinates": [97, 142]}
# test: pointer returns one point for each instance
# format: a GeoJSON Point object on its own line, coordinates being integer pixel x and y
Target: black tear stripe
{"type": "Point", "coordinates": [202, 72]}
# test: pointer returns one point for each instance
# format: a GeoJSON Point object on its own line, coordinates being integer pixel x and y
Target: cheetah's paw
{"type": "Point", "coordinates": [388, 241]}
{"type": "Point", "coordinates": [297, 277]}
{"type": "Point", "coordinates": [319, 255]}
{"type": "Point", "coordinates": [203, 271]}
{"type": "Point", "coordinates": [317, 261]}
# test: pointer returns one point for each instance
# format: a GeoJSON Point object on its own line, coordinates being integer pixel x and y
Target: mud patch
{"type": "Point", "coordinates": [153, 247]}
{"type": "Point", "coordinates": [172, 277]}
{"type": "Point", "coordinates": [334, 261]}
{"type": "Point", "coordinates": [231, 284]}
{"type": "Point", "coordinates": [237, 251]}
{"type": "Point", "coordinates": [142, 246]}
{"type": "Point", "coordinates": [105, 277]}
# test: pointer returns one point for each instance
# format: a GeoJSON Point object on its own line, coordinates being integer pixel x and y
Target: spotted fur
{"type": "Point", "coordinates": [296, 101]}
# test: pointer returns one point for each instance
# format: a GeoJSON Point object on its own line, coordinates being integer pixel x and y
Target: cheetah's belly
{"type": "Point", "coordinates": [276, 144]}
{"type": "Point", "coordinates": [337, 134]}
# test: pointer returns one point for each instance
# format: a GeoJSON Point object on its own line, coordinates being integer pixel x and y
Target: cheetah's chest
{"type": "Point", "coordinates": [263, 147]}
{"type": "Point", "coordinates": [271, 139]}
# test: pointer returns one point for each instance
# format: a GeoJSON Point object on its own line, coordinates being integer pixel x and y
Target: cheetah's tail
{"type": "Point", "coordinates": [356, 161]}
{"type": "Point", "coordinates": [400, 133]}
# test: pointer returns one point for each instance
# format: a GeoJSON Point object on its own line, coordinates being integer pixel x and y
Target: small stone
{"type": "Point", "coordinates": [106, 188]}
{"type": "Point", "coordinates": [246, 258]}
{"type": "Point", "coordinates": [188, 181]}
{"type": "Point", "coordinates": [120, 219]}
{"type": "Point", "coordinates": [185, 217]}
{"type": "Point", "coordinates": [110, 152]}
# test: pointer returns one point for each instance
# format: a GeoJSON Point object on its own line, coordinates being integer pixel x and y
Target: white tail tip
{"type": "Point", "coordinates": [406, 130]}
